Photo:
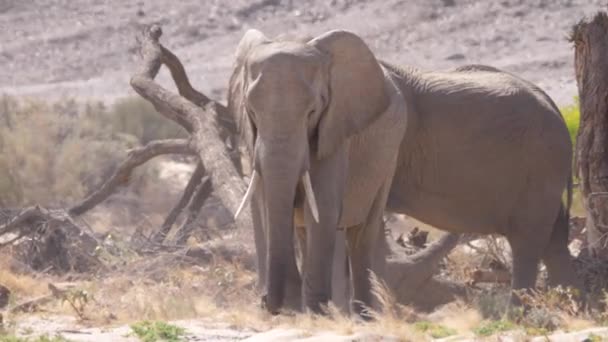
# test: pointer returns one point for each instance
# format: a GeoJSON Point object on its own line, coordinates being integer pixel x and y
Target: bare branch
{"type": "Point", "coordinates": [121, 176]}
{"type": "Point", "coordinates": [224, 120]}
{"type": "Point", "coordinates": [194, 181]}
{"type": "Point", "coordinates": [194, 207]}
{"type": "Point", "coordinates": [227, 181]}
{"type": "Point", "coordinates": [28, 216]}
{"type": "Point", "coordinates": [186, 90]}
{"type": "Point", "coordinates": [180, 77]}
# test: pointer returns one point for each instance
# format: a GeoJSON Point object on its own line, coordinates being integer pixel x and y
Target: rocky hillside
{"type": "Point", "coordinates": [85, 48]}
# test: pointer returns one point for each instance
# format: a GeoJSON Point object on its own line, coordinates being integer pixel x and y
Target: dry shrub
{"type": "Point", "coordinates": [51, 154]}
{"type": "Point", "coordinates": [22, 285]}
{"type": "Point", "coordinates": [137, 117]}
{"type": "Point", "coordinates": [55, 153]}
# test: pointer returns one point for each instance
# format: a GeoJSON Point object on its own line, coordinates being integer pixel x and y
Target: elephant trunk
{"type": "Point", "coordinates": [414, 270]}
{"type": "Point", "coordinates": [281, 171]}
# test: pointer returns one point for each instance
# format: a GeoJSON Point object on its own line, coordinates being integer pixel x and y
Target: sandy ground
{"type": "Point", "coordinates": [85, 49]}
{"type": "Point", "coordinates": [200, 330]}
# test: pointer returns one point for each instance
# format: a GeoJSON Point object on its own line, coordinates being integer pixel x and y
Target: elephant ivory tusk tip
{"type": "Point", "coordinates": [250, 189]}
{"type": "Point", "coordinates": [310, 196]}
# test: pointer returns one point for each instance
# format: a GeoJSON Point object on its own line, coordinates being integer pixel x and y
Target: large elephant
{"type": "Point", "coordinates": [323, 122]}
{"type": "Point", "coordinates": [483, 152]}
{"type": "Point", "coordinates": [487, 152]}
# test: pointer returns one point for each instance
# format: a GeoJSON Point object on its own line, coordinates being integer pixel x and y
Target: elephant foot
{"type": "Point", "coordinates": [264, 306]}
{"type": "Point", "coordinates": [317, 304]}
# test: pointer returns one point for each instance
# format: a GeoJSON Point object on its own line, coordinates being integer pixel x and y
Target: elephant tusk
{"type": "Point", "coordinates": [253, 183]}
{"type": "Point", "coordinates": [310, 196]}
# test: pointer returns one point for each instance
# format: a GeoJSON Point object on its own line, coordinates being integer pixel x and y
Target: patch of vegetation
{"type": "Point", "coordinates": [434, 330]}
{"type": "Point", "coordinates": [44, 338]}
{"type": "Point", "coordinates": [148, 331]}
{"type": "Point", "coordinates": [572, 115]}
{"type": "Point", "coordinates": [594, 338]}
{"type": "Point", "coordinates": [492, 304]}
{"type": "Point", "coordinates": [54, 153]}
{"type": "Point", "coordinates": [137, 117]}
{"type": "Point", "coordinates": [493, 327]}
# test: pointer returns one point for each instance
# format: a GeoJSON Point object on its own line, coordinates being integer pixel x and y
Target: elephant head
{"type": "Point", "coordinates": [298, 103]}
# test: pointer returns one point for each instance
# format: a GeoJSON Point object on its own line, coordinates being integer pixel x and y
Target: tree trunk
{"type": "Point", "coordinates": [590, 40]}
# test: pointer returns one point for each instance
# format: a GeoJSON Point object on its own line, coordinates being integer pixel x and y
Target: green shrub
{"type": "Point", "coordinates": [493, 327]}
{"type": "Point", "coordinates": [434, 330]}
{"type": "Point", "coordinates": [572, 115]}
{"type": "Point", "coordinates": [148, 331]}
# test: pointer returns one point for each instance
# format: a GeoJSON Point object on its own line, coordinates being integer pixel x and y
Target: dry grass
{"type": "Point", "coordinates": [22, 286]}
{"type": "Point", "coordinates": [55, 153]}
{"type": "Point", "coordinates": [164, 290]}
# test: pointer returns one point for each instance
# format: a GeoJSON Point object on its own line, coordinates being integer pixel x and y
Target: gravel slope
{"type": "Point", "coordinates": [84, 48]}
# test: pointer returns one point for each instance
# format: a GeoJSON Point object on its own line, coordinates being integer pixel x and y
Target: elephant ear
{"type": "Point", "coordinates": [238, 84]}
{"type": "Point", "coordinates": [357, 89]}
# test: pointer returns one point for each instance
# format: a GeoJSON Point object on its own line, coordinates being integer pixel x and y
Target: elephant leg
{"type": "Point", "coordinates": [317, 267]}
{"type": "Point", "coordinates": [293, 286]}
{"type": "Point", "coordinates": [557, 256]}
{"type": "Point", "coordinates": [526, 258]}
{"type": "Point", "coordinates": [529, 237]}
{"type": "Point", "coordinates": [341, 289]}
{"type": "Point", "coordinates": [259, 239]}
{"type": "Point", "coordinates": [293, 283]}
{"type": "Point", "coordinates": [362, 247]}
{"type": "Point", "coordinates": [328, 182]}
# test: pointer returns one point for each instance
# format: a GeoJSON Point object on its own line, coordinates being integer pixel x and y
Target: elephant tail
{"type": "Point", "coordinates": [561, 228]}
{"type": "Point", "coordinates": [569, 196]}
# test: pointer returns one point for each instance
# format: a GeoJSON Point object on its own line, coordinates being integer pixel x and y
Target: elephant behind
{"type": "Point", "coordinates": [487, 152]}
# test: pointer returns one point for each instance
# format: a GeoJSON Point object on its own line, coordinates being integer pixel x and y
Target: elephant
{"type": "Point", "coordinates": [480, 151]}
{"type": "Point", "coordinates": [488, 152]}
{"type": "Point", "coordinates": [322, 122]}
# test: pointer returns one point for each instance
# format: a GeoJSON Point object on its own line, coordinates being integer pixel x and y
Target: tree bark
{"type": "Point", "coordinates": [206, 141]}
{"type": "Point", "coordinates": [590, 40]}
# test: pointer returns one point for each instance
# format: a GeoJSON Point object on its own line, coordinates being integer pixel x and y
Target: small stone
{"type": "Point", "coordinates": [456, 56]}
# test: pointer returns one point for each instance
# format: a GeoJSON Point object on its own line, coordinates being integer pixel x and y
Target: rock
{"type": "Point", "coordinates": [456, 56]}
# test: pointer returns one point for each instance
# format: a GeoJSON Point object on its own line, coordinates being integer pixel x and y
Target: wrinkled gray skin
{"type": "Point", "coordinates": [325, 108]}
{"type": "Point", "coordinates": [483, 152]}
{"type": "Point", "coordinates": [487, 152]}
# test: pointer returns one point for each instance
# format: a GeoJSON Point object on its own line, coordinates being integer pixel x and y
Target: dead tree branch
{"type": "Point", "coordinates": [194, 181]}
{"type": "Point", "coordinates": [194, 207]}
{"type": "Point", "coordinates": [206, 139]}
{"type": "Point", "coordinates": [28, 217]}
{"type": "Point", "coordinates": [207, 122]}
{"type": "Point", "coordinates": [228, 129]}
{"type": "Point", "coordinates": [121, 176]}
